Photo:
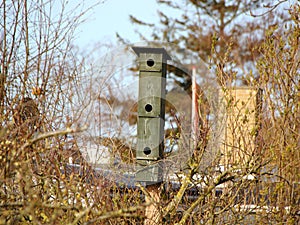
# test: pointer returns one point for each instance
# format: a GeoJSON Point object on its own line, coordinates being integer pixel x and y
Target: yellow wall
{"type": "Point", "coordinates": [239, 123]}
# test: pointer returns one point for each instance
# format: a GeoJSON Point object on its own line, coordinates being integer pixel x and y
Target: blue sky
{"type": "Point", "coordinates": [112, 16]}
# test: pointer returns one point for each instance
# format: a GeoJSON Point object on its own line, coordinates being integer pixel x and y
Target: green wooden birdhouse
{"type": "Point", "coordinates": [151, 113]}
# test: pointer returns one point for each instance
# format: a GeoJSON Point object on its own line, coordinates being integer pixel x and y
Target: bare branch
{"type": "Point", "coordinates": [51, 134]}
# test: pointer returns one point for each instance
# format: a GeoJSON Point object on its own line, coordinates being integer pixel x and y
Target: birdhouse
{"type": "Point", "coordinates": [151, 113]}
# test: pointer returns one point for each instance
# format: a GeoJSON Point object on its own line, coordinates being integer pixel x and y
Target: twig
{"type": "Point", "coordinates": [177, 199]}
{"type": "Point", "coordinates": [42, 136]}
{"type": "Point", "coordinates": [271, 8]}
{"type": "Point", "coordinates": [117, 213]}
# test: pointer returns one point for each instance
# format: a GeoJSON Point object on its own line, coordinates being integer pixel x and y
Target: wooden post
{"type": "Point", "coordinates": [152, 212]}
{"type": "Point", "coordinates": [195, 111]}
